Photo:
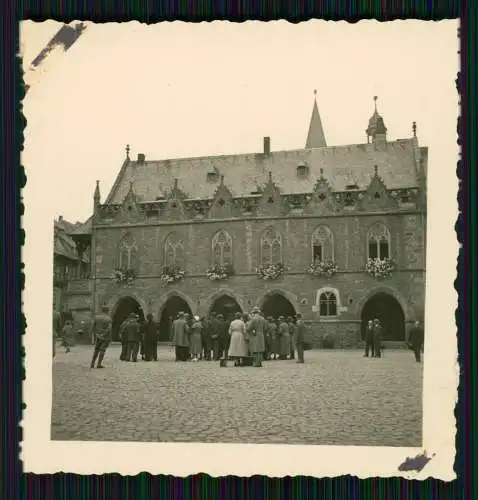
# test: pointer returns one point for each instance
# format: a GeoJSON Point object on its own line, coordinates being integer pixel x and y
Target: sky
{"type": "Point", "coordinates": [176, 90]}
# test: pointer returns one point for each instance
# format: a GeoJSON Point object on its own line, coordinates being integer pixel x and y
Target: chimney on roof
{"type": "Point", "coordinates": [267, 145]}
{"type": "Point", "coordinates": [141, 158]}
{"type": "Point", "coordinates": [60, 218]}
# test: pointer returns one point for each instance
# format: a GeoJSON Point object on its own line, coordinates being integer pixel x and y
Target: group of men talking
{"type": "Point", "coordinates": [267, 339]}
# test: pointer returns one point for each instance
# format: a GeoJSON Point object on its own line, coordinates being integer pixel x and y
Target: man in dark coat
{"type": "Point", "coordinates": [416, 340]}
{"type": "Point", "coordinates": [180, 337]}
{"type": "Point", "coordinates": [222, 336]}
{"type": "Point", "coordinates": [206, 339]}
{"type": "Point", "coordinates": [215, 327]}
{"type": "Point", "coordinates": [377, 338]}
{"type": "Point", "coordinates": [369, 346]}
{"type": "Point", "coordinates": [123, 340]}
{"type": "Point", "coordinates": [291, 323]}
{"type": "Point", "coordinates": [150, 339]}
{"type": "Point", "coordinates": [102, 332]}
{"type": "Point", "coordinates": [256, 328]}
{"type": "Point", "coordinates": [300, 332]}
{"type": "Point", "coordinates": [132, 334]}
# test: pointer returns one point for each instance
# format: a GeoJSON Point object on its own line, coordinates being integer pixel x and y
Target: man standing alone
{"type": "Point", "coordinates": [377, 338]}
{"type": "Point", "coordinates": [369, 339]}
{"type": "Point", "coordinates": [102, 332]}
{"type": "Point", "coordinates": [416, 340]}
{"type": "Point", "coordinates": [180, 340]}
{"type": "Point", "coordinates": [257, 328]}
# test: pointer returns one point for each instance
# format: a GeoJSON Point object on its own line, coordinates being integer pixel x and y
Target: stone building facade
{"type": "Point", "coordinates": [339, 230]}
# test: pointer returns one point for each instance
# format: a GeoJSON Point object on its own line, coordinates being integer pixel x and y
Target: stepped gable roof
{"type": "Point", "coordinates": [243, 173]}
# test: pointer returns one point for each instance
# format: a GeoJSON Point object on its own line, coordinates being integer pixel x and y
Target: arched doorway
{"type": "Point", "coordinates": [388, 310]}
{"type": "Point", "coordinates": [227, 306]}
{"type": "Point", "coordinates": [125, 306]}
{"type": "Point", "coordinates": [173, 306]}
{"type": "Point", "coordinates": [276, 305]}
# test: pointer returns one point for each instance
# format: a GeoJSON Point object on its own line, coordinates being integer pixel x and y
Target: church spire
{"type": "Point", "coordinates": [315, 137]}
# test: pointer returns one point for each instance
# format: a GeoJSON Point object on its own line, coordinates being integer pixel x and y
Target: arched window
{"type": "Point", "coordinates": [378, 242]}
{"type": "Point", "coordinates": [173, 251]}
{"type": "Point", "coordinates": [328, 304]}
{"type": "Point", "coordinates": [127, 253]}
{"type": "Point", "coordinates": [322, 244]}
{"type": "Point", "coordinates": [271, 247]}
{"type": "Point", "coordinates": [222, 248]}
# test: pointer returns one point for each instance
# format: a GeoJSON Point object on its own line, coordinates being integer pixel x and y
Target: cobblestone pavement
{"type": "Point", "coordinates": [336, 398]}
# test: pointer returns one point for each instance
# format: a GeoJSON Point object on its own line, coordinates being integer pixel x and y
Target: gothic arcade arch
{"type": "Point", "coordinates": [278, 302]}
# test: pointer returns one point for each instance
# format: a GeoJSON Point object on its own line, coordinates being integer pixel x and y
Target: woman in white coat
{"type": "Point", "coordinates": [237, 345]}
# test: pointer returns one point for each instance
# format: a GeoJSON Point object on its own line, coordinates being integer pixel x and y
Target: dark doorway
{"type": "Point", "coordinates": [276, 305]}
{"type": "Point", "coordinates": [170, 312]}
{"type": "Point", "coordinates": [227, 306]}
{"type": "Point", "coordinates": [126, 306]}
{"type": "Point", "coordinates": [387, 309]}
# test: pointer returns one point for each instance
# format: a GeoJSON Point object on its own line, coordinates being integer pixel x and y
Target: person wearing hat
{"type": "Point", "coordinates": [291, 324]}
{"type": "Point", "coordinates": [102, 332]}
{"type": "Point", "coordinates": [206, 338]}
{"type": "Point", "coordinates": [416, 339]}
{"type": "Point", "coordinates": [284, 338]}
{"type": "Point", "coordinates": [369, 346]}
{"type": "Point", "coordinates": [195, 340]}
{"type": "Point", "coordinates": [150, 332]}
{"type": "Point", "coordinates": [237, 345]}
{"type": "Point", "coordinates": [377, 337]}
{"type": "Point", "coordinates": [132, 333]}
{"type": "Point", "coordinates": [214, 328]}
{"type": "Point", "coordinates": [180, 340]}
{"type": "Point", "coordinates": [272, 334]}
{"type": "Point", "coordinates": [299, 338]}
{"type": "Point", "coordinates": [256, 329]}
{"type": "Point", "coordinates": [222, 336]}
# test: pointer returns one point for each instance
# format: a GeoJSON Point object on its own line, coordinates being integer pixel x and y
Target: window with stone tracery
{"type": "Point", "coordinates": [173, 251]}
{"type": "Point", "coordinates": [322, 244]}
{"type": "Point", "coordinates": [271, 247]}
{"type": "Point", "coordinates": [378, 242]}
{"type": "Point", "coordinates": [328, 304]}
{"type": "Point", "coordinates": [222, 248]}
{"type": "Point", "coordinates": [127, 253]}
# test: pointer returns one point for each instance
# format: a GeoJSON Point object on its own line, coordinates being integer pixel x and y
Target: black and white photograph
{"type": "Point", "coordinates": [240, 235]}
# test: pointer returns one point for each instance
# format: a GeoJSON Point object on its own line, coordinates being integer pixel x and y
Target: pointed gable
{"type": "Point", "coordinates": [376, 197]}
{"type": "Point", "coordinates": [323, 201]}
{"type": "Point", "coordinates": [175, 209]}
{"type": "Point", "coordinates": [316, 136]}
{"type": "Point", "coordinates": [223, 205]}
{"type": "Point", "coordinates": [271, 202]}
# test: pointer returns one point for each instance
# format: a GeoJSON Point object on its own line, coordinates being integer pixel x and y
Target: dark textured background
{"type": "Point", "coordinates": [13, 483]}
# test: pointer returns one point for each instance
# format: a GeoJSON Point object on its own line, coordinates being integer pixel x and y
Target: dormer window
{"type": "Point", "coordinates": [212, 177]}
{"type": "Point", "coordinates": [302, 170]}
{"type": "Point", "coordinates": [350, 187]}
{"type": "Point", "coordinates": [270, 199]}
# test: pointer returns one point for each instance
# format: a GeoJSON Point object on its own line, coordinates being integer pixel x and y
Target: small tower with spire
{"type": "Point", "coordinates": [376, 130]}
{"type": "Point", "coordinates": [316, 136]}
{"type": "Point", "coordinates": [97, 197]}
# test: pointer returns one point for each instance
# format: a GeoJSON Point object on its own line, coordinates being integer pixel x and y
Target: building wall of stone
{"type": "Point", "coordinates": [352, 284]}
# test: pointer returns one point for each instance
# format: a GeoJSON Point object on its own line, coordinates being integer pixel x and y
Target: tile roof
{"type": "Point", "coordinates": [63, 242]}
{"type": "Point", "coordinates": [342, 166]}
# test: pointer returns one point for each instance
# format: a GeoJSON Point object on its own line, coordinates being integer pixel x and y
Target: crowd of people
{"type": "Point", "coordinates": [213, 338]}
{"type": "Point", "coordinates": [244, 338]}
